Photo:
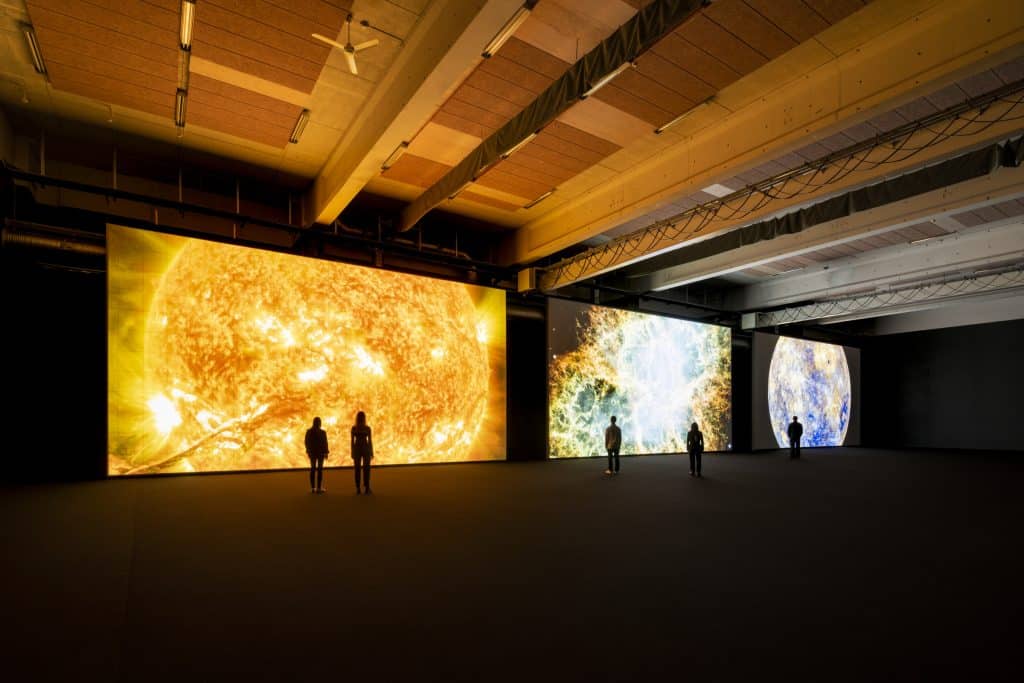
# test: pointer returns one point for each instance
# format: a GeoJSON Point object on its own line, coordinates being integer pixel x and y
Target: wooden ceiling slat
{"type": "Point", "coordinates": [506, 182]}
{"type": "Point", "coordinates": [529, 169]}
{"type": "Point", "coordinates": [253, 50]}
{"type": "Point", "coordinates": [500, 87]}
{"type": "Point", "coordinates": [622, 99]}
{"type": "Point", "coordinates": [105, 88]}
{"type": "Point", "coordinates": [488, 200]}
{"type": "Point", "coordinates": [469, 112]}
{"type": "Point", "coordinates": [233, 60]}
{"type": "Point", "coordinates": [671, 76]}
{"type": "Point", "coordinates": [415, 170]}
{"type": "Point", "coordinates": [297, 17]}
{"type": "Point", "coordinates": [834, 11]}
{"type": "Point", "coordinates": [443, 118]}
{"type": "Point", "coordinates": [650, 90]}
{"type": "Point", "coordinates": [227, 121]}
{"type": "Point", "coordinates": [268, 43]}
{"type": "Point", "coordinates": [112, 77]}
{"type": "Point", "coordinates": [579, 138]}
{"type": "Point", "coordinates": [696, 61]}
{"type": "Point", "coordinates": [96, 16]}
{"type": "Point", "coordinates": [792, 16]}
{"type": "Point", "coordinates": [557, 162]}
{"type": "Point", "coordinates": [716, 41]}
{"type": "Point", "coordinates": [53, 27]}
{"type": "Point", "coordinates": [484, 100]}
{"type": "Point", "coordinates": [505, 68]}
{"type": "Point", "coordinates": [749, 26]}
{"type": "Point", "coordinates": [245, 105]}
{"type": "Point", "coordinates": [69, 49]}
{"type": "Point", "coordinates": [534, 58]}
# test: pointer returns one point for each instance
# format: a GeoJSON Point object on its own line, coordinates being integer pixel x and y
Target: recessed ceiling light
{"type": "Point", "coordinates": [718, 190]}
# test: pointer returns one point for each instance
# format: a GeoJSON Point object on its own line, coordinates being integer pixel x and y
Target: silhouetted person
{"type": "Point", "coordinates": [694, 446]}
{"type": "Point", "coordinates": [612, 442]}
{"type": "Point", "coordinates": [316, 449]}
{"type": "Point", "coordinates": [362, 450]}
{"type": "Point", "coordinates": [795, 431]}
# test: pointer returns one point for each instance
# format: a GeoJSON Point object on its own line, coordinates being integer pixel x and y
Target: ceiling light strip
{"type": "Point", "coordinates": [541, 198]}
{"type": "Point", "coordinates": [509, 29]}
{"type": "Point", "coordinates": [685, 115]}
{"type": "Point", "coordinates": [606, 79]}
{"type": "Point", "coordinates": [33, 48]}
{"type": "Point", "coordinates": [518, 146]}
{"type": "Point", "coordinates": [300, 126]}
{"type": "Point", "coordinates": [188, 17]}
{"type": "Point", "coordinates": [395, 156]}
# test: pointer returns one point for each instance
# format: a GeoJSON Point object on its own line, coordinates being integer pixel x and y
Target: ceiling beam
{"type": "Point", "coordinates": [896, 61]}
{"type": "Point", "coordinates": [1002, 184]}
{"type": "Point", "coordinates": [450, 35]}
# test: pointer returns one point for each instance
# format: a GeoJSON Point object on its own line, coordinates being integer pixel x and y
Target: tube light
{"type": "Point", "coordinates": [33, 48]}
{"type": "Point", "coordinates": [508, 29]}
{"type": "Point", "coordinates": [180, 105]}
{"type": "Point", "coordinates": [661, 129]}
{"type": "Point", "coordinates": [399, 151]}
{"type": "Point", "coordinates": [539, 199]}
{"type": "Point", "coordinates": [518, 146]}
{"type": "Point", "coordinates": [300, 126]}
{"type": "Point", "coordinates": [188, 17]}
{"type": "Point", "coordinates": [606, 79]}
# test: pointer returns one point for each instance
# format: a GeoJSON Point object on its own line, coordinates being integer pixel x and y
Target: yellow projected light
{"type": "Point", "coordinates": [220, 357]}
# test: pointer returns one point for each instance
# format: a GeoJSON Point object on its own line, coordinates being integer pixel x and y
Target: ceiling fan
{"type": "Point", "coordinates": [348, 48]}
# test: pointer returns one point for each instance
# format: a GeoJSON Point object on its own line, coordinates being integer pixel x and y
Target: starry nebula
{"type": "Point", "coordinates": [812, 381]}
{"type": "Point", "coordinates": [220, 356]}
{"type": "Point", "coordinates": [657, 375]}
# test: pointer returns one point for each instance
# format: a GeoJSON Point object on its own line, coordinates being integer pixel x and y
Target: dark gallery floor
{"type": "Point", "coordinates": [849, 564]}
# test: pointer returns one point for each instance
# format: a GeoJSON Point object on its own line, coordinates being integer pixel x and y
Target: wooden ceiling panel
{"type": "Point", "coordinates": [470, 112]}
{"type": "Point", "coordinates": [442, 144]}
{"type": "Point", "coordinates": [60, 30]}
{"type": "Point", "coordinates": [580, 138]}
{"type": "Point", "coordinates": [110, 89]}
{"type": "Point", "coordinates": [260, 41]}
{"type": "Point", "coordinates": [718, 42]}
{"type": "Point", "coordinates": [642, 109]}
{"type": "Point", "coordinates": [158, 26]}
{"type": "Point", "coordinates": [224, 120]}
{"type": "Point", "coordinates": [488, 200]}
{"type": "Point", "coordinates": [834, 11]}
{"type": "Point", "coordinates": [794, 17]}
{"type": "Point", "coordinates": [245, 104]}
{"type": "Point", "coordinates": [548, 159]}
{"type": "Point", "coordinates": [447, 120]}
{"type": "Point", "coordinates": [238, 62]}
{"type": "Point", "coordinates": [671, 76]}
{"type": "Point", "coordinates": [749, 26]}
{"type": "Point", "coordinates": [76, 51]}
{"type": "Point", "coordinates": [512, 72]}
{"type": "Point", "coordinates": [479, 98]}
{"type": "Point", "coordinates": [652, 91]}
{"type": "Point", "coordinates": [703, 66]}
{"type": "Point", "coordinates": [296, 17]}
{"type": "Point", "coordinates": [531, 169]}
{"type": "Point", "coordinates": [499, 87]}
{"type": "Point", "coordinates": [605, 121]}
{"type": "Point", "coordinates": [415, 170]}
{"type": "Point", "coordinates": [566, 152]}
{"type": "Point", "coordinates": [498, 179]}
{"type": "Point", "coordinates": [534, 58]}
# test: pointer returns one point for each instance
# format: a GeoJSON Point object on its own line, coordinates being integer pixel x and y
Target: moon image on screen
{"type": "Point", "coordinates": [242, 348]}
{"type": "Point", "coordinates": [810, 380]}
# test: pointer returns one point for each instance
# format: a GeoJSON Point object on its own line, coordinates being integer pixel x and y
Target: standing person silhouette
{"type": "Point", "coordinates": [317, 450]}
{"type": "Point", "coordinates": [612, 442]}
{"type": "Point", "coordinates": [694, 446]}
{"type": "Point", "coordinates": [795, 431]}
{"type": "Point", "coordinates": [362, 450]}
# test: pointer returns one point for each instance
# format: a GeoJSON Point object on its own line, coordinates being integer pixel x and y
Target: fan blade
{"type": "Point", "coordinates": [325, 39]}
{"type": "Point", "coordinates": [350, 57]}
{"type": "Point", "coordinates": [369, 43]}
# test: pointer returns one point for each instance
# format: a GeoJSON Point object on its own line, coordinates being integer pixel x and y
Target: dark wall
{"type": "Point", "coordinates": [54, 347]}
{"type": "Point", "coordinates": [953, 388]}
{"type": "Point", "coordinates": [742, 386]}
{"type": "Point", "coordinates": [527, 386]}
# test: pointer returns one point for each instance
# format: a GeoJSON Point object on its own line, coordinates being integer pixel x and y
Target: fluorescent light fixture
{"type": "Point", "coordinates": [718, 190]}
{"type": "Point", "coordinates": [180, 105]}
{"type": "Point", "coordinates": [606, 79]}
{"type": "Point", "coordinates": [455, 194]}
{"type": "Point", "coordinates": [927, 239]}
{"type": "Point", "coordinates": [508, 29]}
{"type": "Point", "coordinates": [300, 125]}
{"type": "Point", "coordinates": [518, 146]}
{"type": "Point", "coordinates": [188, 18]}
{"type": "Point", "coordinates": [184, 58]}
{"type": "Point", "coordinates": [399, 151]}
{"type": "Point", "coordinates": [786, 272]}
{"type": "Point", "coordinates": [661, 129]}
{"type": "Point", "coordinates": [33, 48]}
{"type": "Point", "coordinates": [539, 199]}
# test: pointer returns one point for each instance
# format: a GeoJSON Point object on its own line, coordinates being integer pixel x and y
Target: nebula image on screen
{"type": "Point", "coordinates": [220, 357]}
{"type": "Point", "coordinates": [810, 380]}
{"type": "Point", "coordinates": [657, 375]}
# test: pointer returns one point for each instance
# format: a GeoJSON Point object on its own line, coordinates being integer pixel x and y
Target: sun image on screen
{"type": "Point", "coordinates": [221, 356]}
{"type": "Point", "coordinates": [810, 380]}
{"type": "Point", "coordinates": [657, 375]}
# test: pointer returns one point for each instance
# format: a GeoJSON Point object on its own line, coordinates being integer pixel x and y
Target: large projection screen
{"type": "Point", "coordinates": [220, 356]}
{"type": "Point", "coordinates": [656, 375]}
{"type": "Point", "coordinates": [815, 381]}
